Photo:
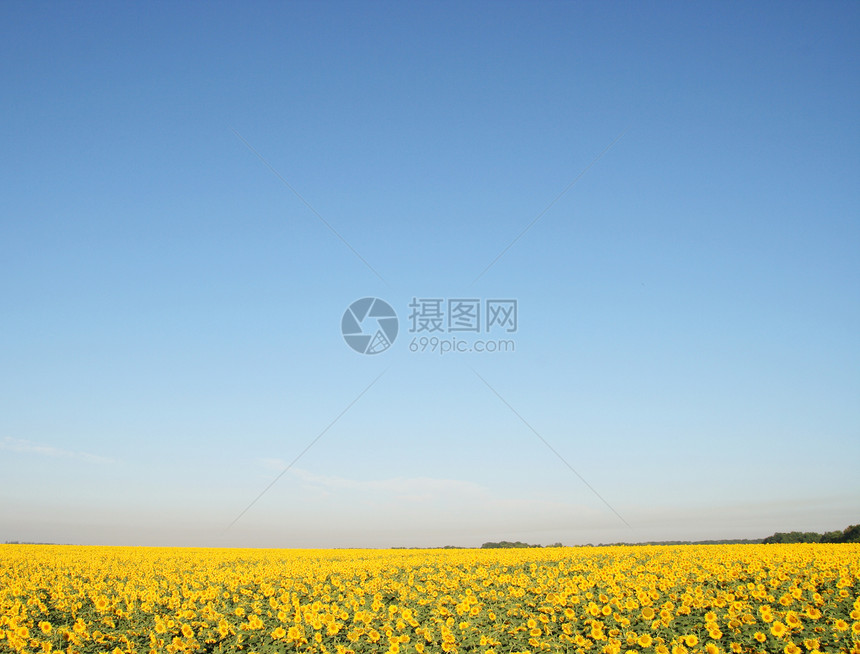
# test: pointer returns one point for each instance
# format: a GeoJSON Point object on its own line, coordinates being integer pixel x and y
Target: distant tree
{"type": "Point", "coordinates": [848, 535]}
{"type": "Point", "coordinates": [851, 534]}
{"type": "Point", "coordinates": [794, 537]}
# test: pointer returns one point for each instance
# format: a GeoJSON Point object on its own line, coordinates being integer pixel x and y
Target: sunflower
{"type": "Point", "coordinates": [278, 633]}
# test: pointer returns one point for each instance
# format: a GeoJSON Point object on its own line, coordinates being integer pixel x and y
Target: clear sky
{"type": "Point", "coordinates": [193, 194]}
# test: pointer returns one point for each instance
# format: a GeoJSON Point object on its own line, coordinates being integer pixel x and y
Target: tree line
{"type": "Point", "coordinates": [848, 535]}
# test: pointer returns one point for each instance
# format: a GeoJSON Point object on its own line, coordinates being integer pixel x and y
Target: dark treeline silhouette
{"type": "Point", "coordinates": [505, 544]}
{"type": "Point", "coordinates": [848, 535]}
{"type": "Point", "coordinates": [724, 541]}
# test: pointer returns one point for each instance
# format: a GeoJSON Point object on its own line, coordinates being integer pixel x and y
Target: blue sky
{"type": "Point", "coordinates": [170, 309]}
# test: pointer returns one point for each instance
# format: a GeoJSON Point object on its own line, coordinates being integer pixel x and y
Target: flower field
{"type": "Point", "coordinates": [713, 598]}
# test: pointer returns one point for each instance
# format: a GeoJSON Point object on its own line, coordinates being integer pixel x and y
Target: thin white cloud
{"type": "Point", "coordinates": [413, 503]}
{"type": "Point", "coordinates": [276, 465]}
{"type": "Point", "coordinates": [28, 447]}
{"type": "Point", "coordinates": [408, 488]}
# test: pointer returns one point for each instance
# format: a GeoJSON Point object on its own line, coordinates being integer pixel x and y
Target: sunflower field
{"type": "Point", "coordinates": [709, 598]}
